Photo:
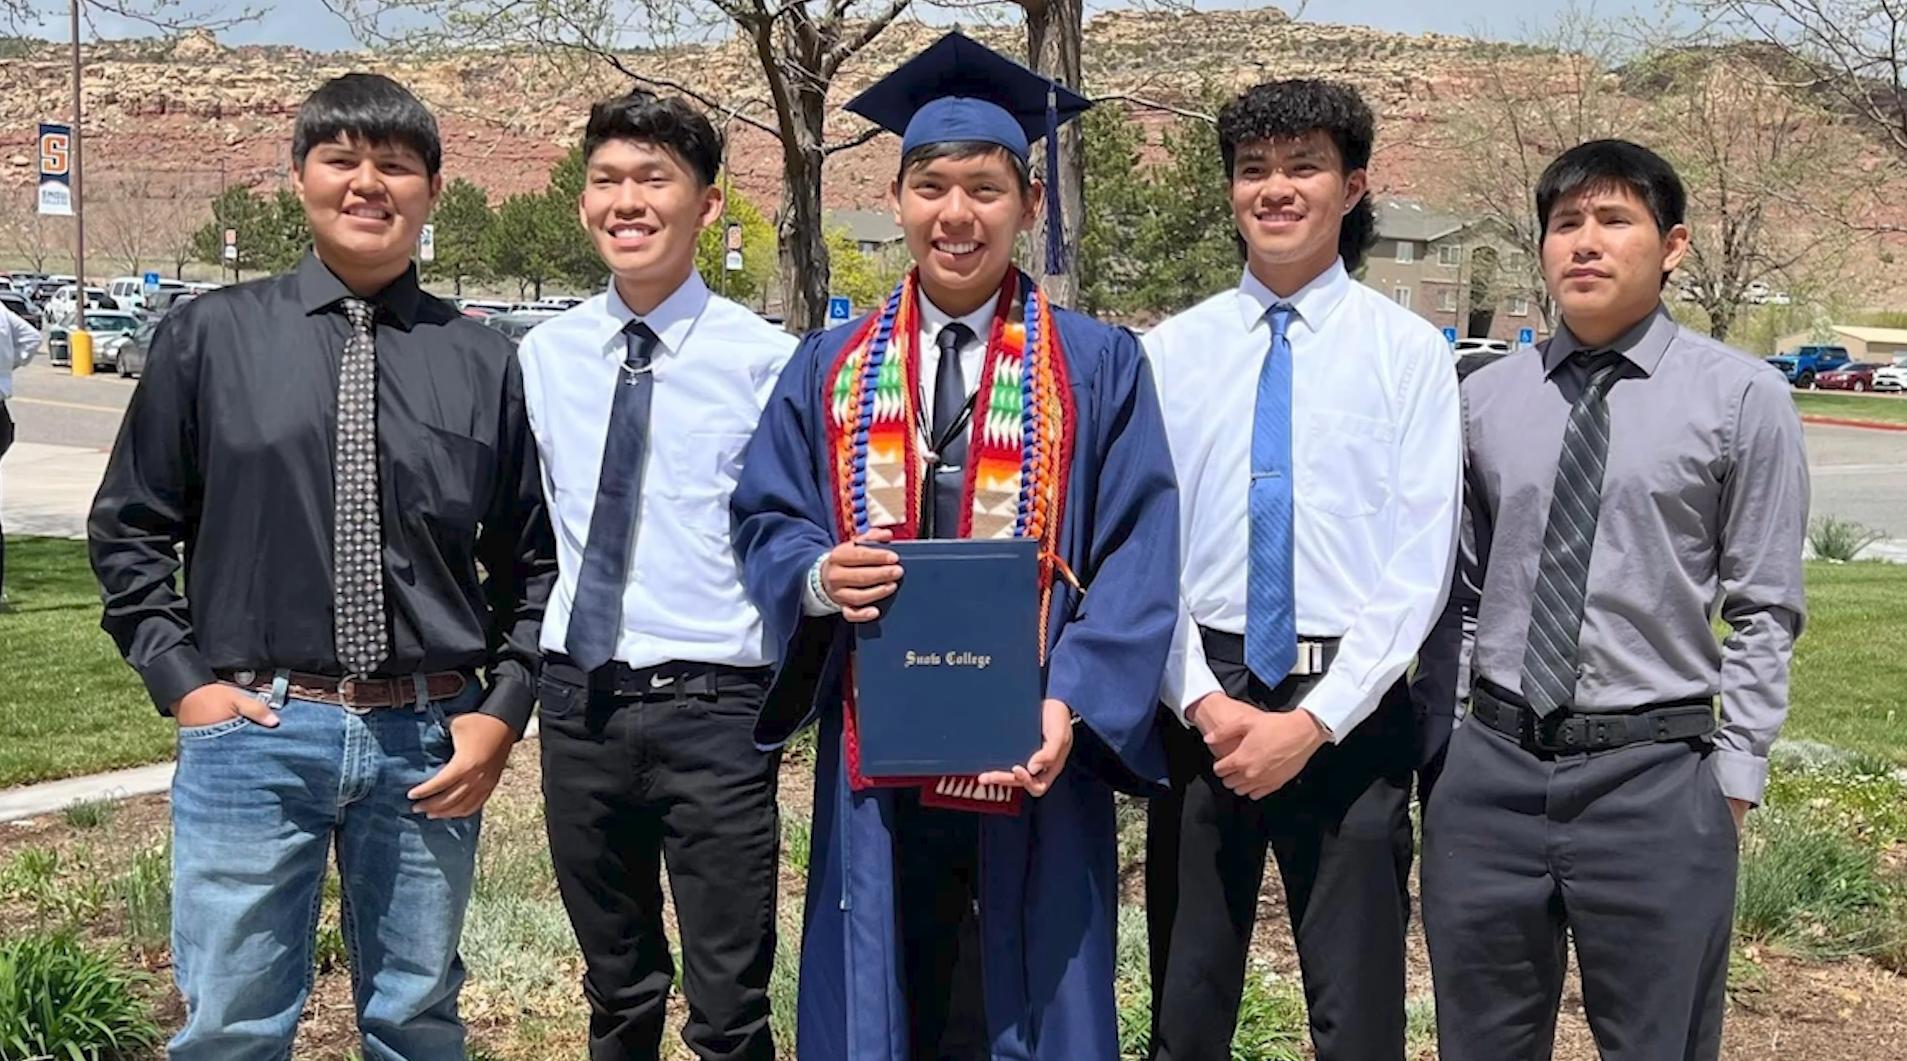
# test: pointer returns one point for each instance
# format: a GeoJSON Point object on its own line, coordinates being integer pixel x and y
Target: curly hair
{"type": "Point", "coordinates": [1286, 110]}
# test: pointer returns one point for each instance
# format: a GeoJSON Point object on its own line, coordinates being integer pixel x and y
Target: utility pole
{"type": "Point", "coordinates": [79, 188]}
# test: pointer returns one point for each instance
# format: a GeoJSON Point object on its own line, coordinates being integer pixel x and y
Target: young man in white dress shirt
{"type": "Point", "coordinates": [641, 400]}
{"type": "Point", "coordinates": [1319, 507]}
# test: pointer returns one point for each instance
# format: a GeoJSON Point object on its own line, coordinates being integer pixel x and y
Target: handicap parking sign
{"type": "Point", "coordinates": [1526, 336]}
{"type": "Point", "coordinates": [838, 309]}
{"type": "Point", "coordinates": [150, 282]}
{"type": "Point", "coordinates": [1450, 335]}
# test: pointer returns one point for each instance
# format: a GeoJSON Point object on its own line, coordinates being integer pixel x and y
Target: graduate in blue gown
{"type": "Point", "coordinates": [966, 917]}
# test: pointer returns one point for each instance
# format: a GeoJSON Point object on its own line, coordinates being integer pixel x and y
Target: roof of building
{"type": "Point", "coordinates": [1404, 219]}
{"type": "Point", "coordinates": [1873, 335]}
{"type": "Point", "coordinates": [866, 226]}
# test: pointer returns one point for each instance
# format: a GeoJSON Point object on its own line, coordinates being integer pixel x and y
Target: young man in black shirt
{"type": "Point", "coordinates": [338, 452]}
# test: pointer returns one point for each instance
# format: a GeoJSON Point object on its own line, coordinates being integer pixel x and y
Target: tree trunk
{"type": "Point", "coordinates": [1054, 31]}
{"type": "Point", "coordinates": [803, 234]}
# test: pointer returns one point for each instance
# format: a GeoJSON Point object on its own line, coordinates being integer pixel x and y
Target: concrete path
{"type": "Point", "coordinates": [31, 801]}
{"type": "Point", "coordinates": [47, 490]}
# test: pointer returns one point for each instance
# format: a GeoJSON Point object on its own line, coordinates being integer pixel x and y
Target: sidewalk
{"type": "Point", "coordinates": [46, 490]}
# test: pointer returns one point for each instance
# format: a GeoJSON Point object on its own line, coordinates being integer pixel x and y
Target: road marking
{"type": "Point", "coordinates": [117, 409]}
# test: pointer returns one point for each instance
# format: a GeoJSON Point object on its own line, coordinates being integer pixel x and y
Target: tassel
{"type": "Point", "coordinates": [1055, 216]}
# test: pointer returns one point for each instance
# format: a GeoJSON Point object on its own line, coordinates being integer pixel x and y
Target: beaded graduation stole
{"type": "Point", "coordinates": [1017, 462]}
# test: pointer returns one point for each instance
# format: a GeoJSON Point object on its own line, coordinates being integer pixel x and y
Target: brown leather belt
{"type": "Point", "coordinates": [352, 693]}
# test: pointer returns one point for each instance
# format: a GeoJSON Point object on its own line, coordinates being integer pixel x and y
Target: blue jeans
{"type": "Point", "coordinates": [255, 811]}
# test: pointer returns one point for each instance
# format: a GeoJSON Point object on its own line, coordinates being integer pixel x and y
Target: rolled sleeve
{"type": "Point", "coordinates": [1764, 526]}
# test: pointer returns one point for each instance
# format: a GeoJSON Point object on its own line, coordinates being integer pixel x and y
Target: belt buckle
{"type": "Point", "coordinates": [1544, 732]}
{"type": "Point", "coordinates": [344, 694]}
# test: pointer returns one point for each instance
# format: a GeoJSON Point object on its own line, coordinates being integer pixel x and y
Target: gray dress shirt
{"type": "Point", "coordinates": [1704, 512]}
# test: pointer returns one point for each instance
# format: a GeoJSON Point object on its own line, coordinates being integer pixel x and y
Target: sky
{"type": "Point", "coordinates": [308, 24]}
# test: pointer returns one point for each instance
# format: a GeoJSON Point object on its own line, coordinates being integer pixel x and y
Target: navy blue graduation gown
{"type": "Point", "coordinates": [1049, 881]}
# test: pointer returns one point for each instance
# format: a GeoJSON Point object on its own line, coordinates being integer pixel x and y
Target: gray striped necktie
{"type": "Point", "coordinates": [1562, 579]}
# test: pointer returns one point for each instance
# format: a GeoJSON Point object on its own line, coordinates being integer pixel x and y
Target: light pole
{"type": "Point", "coordinates": [79, 189]}
{"type": "Point", "coordinates": [727, 120]}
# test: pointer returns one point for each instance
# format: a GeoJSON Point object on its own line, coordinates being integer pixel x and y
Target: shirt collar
{"type": "Point", "coordinates": [1314, 302]}
{"type": "Point", "coordinates": [933, 319]}
{"type": "Point", "coordinates": [319, 289]}
{"type": "Point", "coordinates": [672, 320]}
{"type": "Point", "coordinates": [1644, 345]}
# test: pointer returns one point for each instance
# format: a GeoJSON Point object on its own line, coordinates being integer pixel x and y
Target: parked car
{"type": "Point", "coordinates": [1475, 346]}
{"type": "Point", "coordinates": [1892, 377]}
{"type": "Point", "coordinates": [482, 307]}
{"type": "Point", "coordinates": [62, 307]}
{"type": "Point", "coordinates": [130, 360]}
{"type": "Point", "coordinates": [166, 301]}
{"type": "Point", "coordinates": [1804, 365]}
{"type": "Point", "coordinates": [108, 327]}
{"type": "Point", "coordinates": [17, 304]}
{"type": "Point", "coordinates": [517, 323]}
{"type": "Point", "coordinates": [1853, 376]}
{"type": "Point", "coordinates": [557, 303]}
{"type": "Point", "coordinates": [39, 291]}
{"type": "Point", "coordinates": [130, 291]}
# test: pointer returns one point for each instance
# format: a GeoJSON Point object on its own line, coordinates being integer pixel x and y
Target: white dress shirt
{"type": "Point", "coordinates": [19, 341]}
{"type": "Point", "coordinates": [973, 356]}
{"type": "Point", "coordinates": [714, 370]}
{"type": "Point", "coordinates": [1377, 477]}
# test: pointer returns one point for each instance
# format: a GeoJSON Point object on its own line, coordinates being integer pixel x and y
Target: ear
{"type": "Point", "coordinates": [894, 198]}
{"type": "Point", "coordinates": [1356, 186]}
{"type": "Point", "coordinates": [712, 202]}
{"type": "Point", "coordinates": [1035, 199]}
{"type": "Point", "coordinates": [298, 181]}
{"type": "Point", "coordinates": [582, 210]}
{"type": "Point", "coordinates": [436, 188]}
{"type": "Point", "coordinates": [1675, 247]}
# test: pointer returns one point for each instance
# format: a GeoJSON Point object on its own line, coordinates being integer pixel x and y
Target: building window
{"type": "Point", "coordinates": [1402, 295]}
{"type": "Point", "coordinates": [1406, 251]}
{"type": "Point", "coordinates": [1447, 300]}
{"type": "Point", "coordinates": [1450, 254]}
{"type": "Point", "coordinates": [1519, 307]}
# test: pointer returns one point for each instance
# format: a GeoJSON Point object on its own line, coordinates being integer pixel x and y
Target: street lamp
{"type": "Point", "coordinates": [727, 119]}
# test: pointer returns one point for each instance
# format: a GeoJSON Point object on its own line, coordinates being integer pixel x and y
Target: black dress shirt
{"type": "Point", "coordinates": [227, 448]}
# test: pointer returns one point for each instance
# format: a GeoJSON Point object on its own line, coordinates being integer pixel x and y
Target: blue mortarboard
{"type": "Point", "coordinates": [959, 90]}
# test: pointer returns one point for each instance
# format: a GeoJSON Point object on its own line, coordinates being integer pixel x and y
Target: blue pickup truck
{"type": "Point", "coordinates": [1808, 362]}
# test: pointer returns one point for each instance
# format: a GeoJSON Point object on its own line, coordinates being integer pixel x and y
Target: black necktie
{"type": "Point", "coordinates": [949, 434]}
{"type": "Point", "coordinates": [595, 617]}
{"type": "Point", "coordinates": [357, 545]}
{"type": "Point", "coordinates": [1562, 577]}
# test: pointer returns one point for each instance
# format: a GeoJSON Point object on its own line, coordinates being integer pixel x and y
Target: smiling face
{"type": "Point", "coordinates": [960, 217]}
{"type": "Point", "coordinates": [366, 204]}
{"type": "Point", "coordinates": [1604, 258]}
{"type": "Point", "coordinates": [643, 207]}
{"type": "Point", "coordinates": [1289, 198]}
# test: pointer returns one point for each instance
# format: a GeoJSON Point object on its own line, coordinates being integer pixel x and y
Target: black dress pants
{"type": "Point", "coordinates": [937, 883]}
{"type": "Point", "coordinates": [6, 443]}
{"type": "Point", "coordinates": [1341, 834]}
{"type": "Point", "coordinates": [666, 775]}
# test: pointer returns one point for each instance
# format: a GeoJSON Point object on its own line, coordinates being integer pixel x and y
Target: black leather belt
{"type": "Point", "coordinates": [1315, 654]}
{"type": "Point", "coordinates": [1568, 733]}
{"type": "Point", "coordinates": [620, 679]}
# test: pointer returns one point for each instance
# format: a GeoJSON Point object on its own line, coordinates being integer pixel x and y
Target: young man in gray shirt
{"type": "Point", "coordinates": [1626, 482]}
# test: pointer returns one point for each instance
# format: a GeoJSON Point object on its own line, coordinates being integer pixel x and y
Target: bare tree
{"type": "Point", "coordinates": [1055, 34]}
{"type": "Point", "coordinates": [1855, 51]}
{"type": "Point", "coordinates": [31, 235]}
{"type": "Point", "coordinates": [800, 45]}
{"type": "Point", "coordinates": [124, 221]}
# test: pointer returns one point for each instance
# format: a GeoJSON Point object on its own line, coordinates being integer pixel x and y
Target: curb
{"type": "Point", "coordinates": [1836, 421]}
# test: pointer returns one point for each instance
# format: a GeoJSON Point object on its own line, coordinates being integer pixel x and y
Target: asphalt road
{"type": "Point", "coordinates": [1858, 474]}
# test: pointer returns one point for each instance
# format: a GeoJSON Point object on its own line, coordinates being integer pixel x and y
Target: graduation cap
{"type": "Point", "coordinates": [959, 90]}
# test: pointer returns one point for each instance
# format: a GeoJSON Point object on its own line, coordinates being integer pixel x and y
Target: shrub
{"type": "Point", "coordinates": [1840, 540]}
{"type": "Point", "coordinates": [60, 999]}
{"type": "Point", "coordinates": [1811, 890]}
{"type": "Point", "coordinates": [145, 897]}
{"type": "Point", "coordinates": [89, 813]}
{"type": "Point", "coordinates": [796, 843]}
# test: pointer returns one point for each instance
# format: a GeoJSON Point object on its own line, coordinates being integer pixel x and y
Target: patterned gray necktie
{"type": "Point", "coordinates": [357, 538]}
{"type": "Point", "coordinates": [1562, 578]}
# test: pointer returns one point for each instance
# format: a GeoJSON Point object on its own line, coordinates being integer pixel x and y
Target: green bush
{"type": "Point", "coordinates": [60, 999]}
{"type": "Point", "coordinates": [797, 845]}
{"type": "Point", "coordinates": [1863, 800]}
{"type": "Point", "coordinates": [1808, 889]}
{"type": "Point", "coordinates": [1840, 540]}
{"type": "Point", "coordinates": [89, 813]}
{"type": "Point", "coordinates": [1272, 1025]}
{"type": "Point", "coordinates": [145, 897]}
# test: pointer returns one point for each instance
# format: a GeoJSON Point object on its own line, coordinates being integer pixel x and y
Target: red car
{"type": "Point", "coordinates": [1853, 376]}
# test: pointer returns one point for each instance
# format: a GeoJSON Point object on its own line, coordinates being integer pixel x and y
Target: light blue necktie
{"type": "Point", "coordinates": [1271, 621]}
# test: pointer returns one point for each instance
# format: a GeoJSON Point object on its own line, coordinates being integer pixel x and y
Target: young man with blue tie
{"type": "Point", "coordinates": [641, 399]}
{"type": "Point", "coordinates": [1319, 511]}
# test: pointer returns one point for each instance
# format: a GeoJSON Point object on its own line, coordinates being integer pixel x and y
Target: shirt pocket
{"type": "Point", "coordinates": [453, 475]}
{"type": "Point", "coordinates": [1347, 463]}
{"type": "Point", "coordinates": [712, 462]}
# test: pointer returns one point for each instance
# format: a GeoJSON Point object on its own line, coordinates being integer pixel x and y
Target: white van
{"type": "Point", "coordinates": [130, 291]}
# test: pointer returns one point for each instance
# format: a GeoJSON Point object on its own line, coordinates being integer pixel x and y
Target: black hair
{"type": "Point", "coordinates": [666, 122]}
{"type": "Point", "coordinates": [1288, 110]}
{"type": "Point", "coordinates": [367, 107]}
{"type": "Point", "coordinates": [961, 150]}
{"type": "Point", "coordinates": [1601, 164]}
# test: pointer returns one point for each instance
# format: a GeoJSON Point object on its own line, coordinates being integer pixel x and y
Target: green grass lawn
{"type": "Point", "coordinates": [1850, 670]}
{"type": "Point", "coordinates": [1851, 406]}
{"type": "Point", "coordinates": [69, 705]}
